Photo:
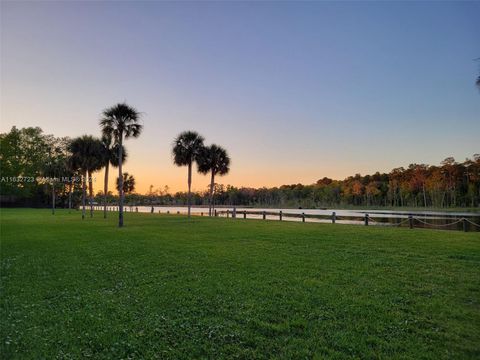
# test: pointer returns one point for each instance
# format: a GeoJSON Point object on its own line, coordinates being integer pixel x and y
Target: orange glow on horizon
{"type": "Point", "coordinates": [176, 179]}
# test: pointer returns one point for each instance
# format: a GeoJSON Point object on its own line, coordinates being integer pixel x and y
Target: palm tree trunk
{"type": "Point", "coordinates": [210, 205]}
{"type": "Point", "coordinates": [105, 190]}
{"type": "Point", "coordinates": [70, 196]}
{"type": "Point", "coordinates": [189, 199]}
{"type": "Point", "coordinates": [84, 193]}
{"type": "Point", "coordinates": [53, 197]}
{"type": "Point", "coordinates": [90, 192]}
{"type": "Point", "coordinates": [120, 182]}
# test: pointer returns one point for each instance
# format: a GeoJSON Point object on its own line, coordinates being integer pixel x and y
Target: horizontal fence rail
{"type": "Point", "coordinates": [402, 220]}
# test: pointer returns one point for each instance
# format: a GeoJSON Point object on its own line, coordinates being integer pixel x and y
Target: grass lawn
{"type": "Point", "coordinates": [166, 287]}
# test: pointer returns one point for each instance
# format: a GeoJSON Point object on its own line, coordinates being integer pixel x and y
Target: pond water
{"type": "Point", "coordinates": [424, 219]}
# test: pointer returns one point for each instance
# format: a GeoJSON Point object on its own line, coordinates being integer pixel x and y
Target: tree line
{"type": "Point", "coordinates": [35, 166]}
{"type": "Point", "coordinates": [30, 153]}
{"type": "Point", "coordinates": [449, 185]}
{"type": "Point", "coordinates": [39, 170]}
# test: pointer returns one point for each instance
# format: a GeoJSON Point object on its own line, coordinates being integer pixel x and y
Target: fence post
{"type": "Point", "coordinates": [334, 217]}
{"type": "Point", "coordinates": [178, 212]}
{"type": "Point", "coordinates": [136, 209]}
{"type": "Point", "coordinates": [201, 214]}
{"type": "Point", "coordinates": [228, 213]}
{"type": "Point", "coordinates": [280, 215]}
{"type": "Point", "coordinates": [410, 221]}
{"type": "Point", "coordinates": [303, 217]}
{"type": "Point", "coordinates": [215, 212]}
{"type": "Point", "coordinates": [264, 215]}
{"type": "Point", "coordinates": [366, 219]}
{"type": "Point", "coordinates": [234, 213]}
{"type": "Point", "coordinates": [152, 210]}
{"type": "Point", "coordinates": [168, 211]}
{"type": "Point", "coordinates": [244, 214]}
{"type": "Point", "coordinates": [465, 226]}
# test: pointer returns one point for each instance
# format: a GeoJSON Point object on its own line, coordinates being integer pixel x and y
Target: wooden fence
{"type": "Point", "coordinates": [410, 221]}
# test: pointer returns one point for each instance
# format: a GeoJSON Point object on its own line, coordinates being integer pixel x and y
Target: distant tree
{"type": "Point", "coordinates": [213, 159]}
{"type": "Point", "coordinates": [186, 149]}
{"type": "Point", "coordinates": [110, 157]}
{"type": "Point", "coordinates": [87, 158]}
{"type": "Point", "coordinates": [371, 191]}
{"type": "Point", "coordinates": [23, 153]}
{"type": "Point", "coordinates": [128, 183]}
{"type": "Point", "coordinates": [71, 174]}
{"type": "Point", "coordinates": [54, 168]}
{"type": "Point", "coordinates": [95, 164]}
{"type": "Point", "coordinates": [121, 122]}
{"type": "Point", "coordinates": [417, 178]}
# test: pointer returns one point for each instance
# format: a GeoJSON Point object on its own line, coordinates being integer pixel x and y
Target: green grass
{"type": "Point", "coordinates": [165, 287]}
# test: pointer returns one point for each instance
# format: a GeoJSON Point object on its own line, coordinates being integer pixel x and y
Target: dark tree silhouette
{"type": "Point", "coordinates": [87, 158]}
{"type": "Point", "coordinates": [186, 149]}
{"type": "Point", "coordinates": [128, 183]}
{"type": "Point", "coordinates": [121, 122]}
{"type": "Point", "coordinates": [213, 159]}
{"type": "Point", "coordinates": [71, 172]}
{"type": "Point", "coordinates": [95, 164]}
{"type": "Point", "coordinates": [55, 166]}
{"type": "Point", "coordinates": [110, 157]}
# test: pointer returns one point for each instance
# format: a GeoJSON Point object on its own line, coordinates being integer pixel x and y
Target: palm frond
{"type": "Point", "coordinates": [121, 120]}
{"type": "Point", "coordinates": [213, 158]}
{"type": "Point", "coordinates": [186, 147]}
{"type": "Point", "coordinates": [86, 153]}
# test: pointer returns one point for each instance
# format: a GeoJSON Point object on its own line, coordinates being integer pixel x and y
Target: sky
{"type": "Point", "coordinates": [295, 91]}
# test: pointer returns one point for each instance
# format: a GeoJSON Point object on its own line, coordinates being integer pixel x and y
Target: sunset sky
{"type": "Point", "coordinates": [294, 91]}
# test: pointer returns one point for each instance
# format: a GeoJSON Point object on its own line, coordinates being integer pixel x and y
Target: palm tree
{"type": "Point", "coordinates": [95, 162]}
{"type": "Point", "coordinates": [213, 159]}
{"type": "Point", "coordinates": [128, 183]}
{"type": "Point", "coordinates": [478, 82]}
{"type": "Point", "coordinates": [110, 157]}
{"type": "Point", "coordinates": [86, 156]}
{"type": "Point", "coordinates": [120, 121]}
{"type": "Point", "coordinates": [186, 149]}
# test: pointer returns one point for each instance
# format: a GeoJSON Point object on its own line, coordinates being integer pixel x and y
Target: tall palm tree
{"type": "Point", "coordinates": [121, 122]}
{"type": "Point", "coordinates": [186, 149]}
{"type": "Point", "coordinates": [213, 159]}
{"type": "Point", "coordinates": [110, 157]}
{"type": "Point", "coordinates": [85, 156]}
